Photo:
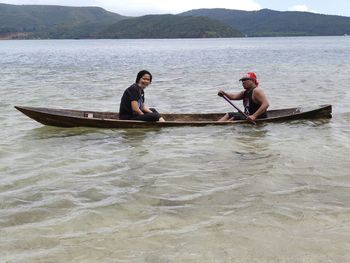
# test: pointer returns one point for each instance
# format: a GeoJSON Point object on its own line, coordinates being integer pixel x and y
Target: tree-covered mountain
{"type": "Point", "coordinates": [58, 22]}
{"type": "Point", "coordinates": [267, 22]}
{"type": "Point", "coordinates": [43, 20]}
{"type": "Point", "coordinates": [169, 26]}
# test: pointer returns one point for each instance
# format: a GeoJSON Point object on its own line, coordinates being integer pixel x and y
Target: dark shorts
{"type": "Point", "coordinates": [236, 115]}
{"type": "Point", "coordinates": [154, 116]}
{"type": "Point", "coordinates": [240, 116]}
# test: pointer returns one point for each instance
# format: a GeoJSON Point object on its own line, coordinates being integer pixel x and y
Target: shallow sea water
{"type": "Point", "coordinates": [275, 192]}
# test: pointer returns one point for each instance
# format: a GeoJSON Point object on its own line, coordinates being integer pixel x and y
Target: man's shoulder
{"type": "Point", "coordinates": [258, 90]}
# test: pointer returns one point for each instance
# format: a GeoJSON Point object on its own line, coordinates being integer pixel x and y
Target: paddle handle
{"type": "Point", "coordinates": [239, 110]}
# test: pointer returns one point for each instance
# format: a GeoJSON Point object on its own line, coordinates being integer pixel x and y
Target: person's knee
{"type": "Point", "coordinates": [153, 110]}
{"type": "Point", "coordinates": [155, 115]}
{"type": "Point", "coordinates": [151, 116]}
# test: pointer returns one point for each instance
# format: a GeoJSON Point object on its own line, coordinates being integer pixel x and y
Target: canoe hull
{"type": "Point", "coordinates": [76, 118]}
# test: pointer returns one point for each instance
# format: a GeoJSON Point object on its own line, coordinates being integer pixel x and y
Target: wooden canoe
{"type": "Point", "coordinates": [83, 118]}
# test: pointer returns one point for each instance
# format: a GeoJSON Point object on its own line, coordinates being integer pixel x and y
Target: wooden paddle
{"type": "Point", "coordinates": [239, 110]}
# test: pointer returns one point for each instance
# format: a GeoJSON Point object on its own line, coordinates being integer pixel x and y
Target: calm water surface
{"type": "Point", "coordinates": [268, 193]}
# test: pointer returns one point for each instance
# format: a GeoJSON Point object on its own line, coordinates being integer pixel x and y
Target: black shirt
{"type": "Point", "coordinates": [250, 107]}
{"type": "Point", "coordinates": [133, 93]}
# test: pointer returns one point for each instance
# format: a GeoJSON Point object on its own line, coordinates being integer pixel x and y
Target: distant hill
{"type": "Point", "coordinates": [169, 26]}
{"type": "Point", "coordinates": [45, 20]}
{"type": "Point", "coordinates": [268, 22]}
{"type": "Point", "coordinates": [60, 22]}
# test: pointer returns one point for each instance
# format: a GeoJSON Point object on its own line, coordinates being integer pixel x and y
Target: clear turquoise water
{"type": "Point", "coordinates": [268, 193]}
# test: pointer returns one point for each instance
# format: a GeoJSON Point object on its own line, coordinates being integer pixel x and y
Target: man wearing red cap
{"type": "Point", "coordinates": [254, 100]}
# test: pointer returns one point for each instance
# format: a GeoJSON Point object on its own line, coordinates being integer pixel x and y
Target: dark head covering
{"type": "Point", "coordinates": [251, 76]}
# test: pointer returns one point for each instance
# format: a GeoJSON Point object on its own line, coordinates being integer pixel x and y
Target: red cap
{"type": "Point", "coordinates": [252, 76]}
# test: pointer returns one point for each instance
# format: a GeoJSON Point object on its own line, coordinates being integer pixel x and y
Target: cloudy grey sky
{"type": "Point", "coordinates": [142, 7]}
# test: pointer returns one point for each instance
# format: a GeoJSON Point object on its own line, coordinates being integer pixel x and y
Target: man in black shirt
{"type": "Point", "coordinates": [254, 100]}
{"type": "Point", "coordinates": [132, 105]}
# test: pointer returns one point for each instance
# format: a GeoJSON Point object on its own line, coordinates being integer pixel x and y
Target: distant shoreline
{"type": "Point", "coordinates": [14, 36]}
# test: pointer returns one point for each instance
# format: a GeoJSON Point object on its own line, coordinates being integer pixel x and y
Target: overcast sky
{"type": "Point", "coordinates": [143, 7]}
